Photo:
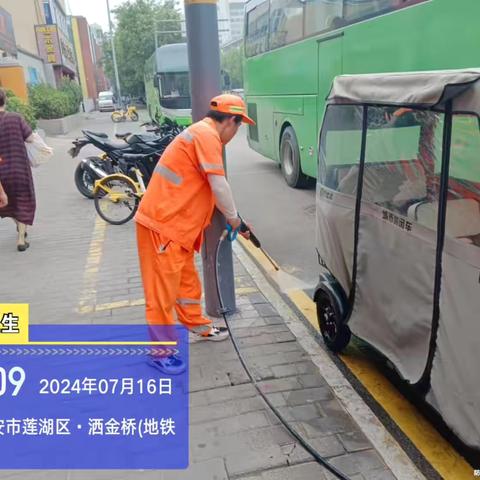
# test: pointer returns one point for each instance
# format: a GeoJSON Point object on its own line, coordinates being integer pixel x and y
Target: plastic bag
{"type": "Point", "coordinates": [38, 151]}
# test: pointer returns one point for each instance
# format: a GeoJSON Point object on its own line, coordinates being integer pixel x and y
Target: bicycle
{"type": "Point", "coordinates": [117, 196]}
{"type": "Point", "coordinates": [122, 115]}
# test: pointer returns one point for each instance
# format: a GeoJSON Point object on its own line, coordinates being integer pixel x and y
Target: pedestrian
{"type": "Point", "coordinates": [188, 182]}
{"type": "Point", "coordinates": [15, 171]}
{"type": "Point", "coordinates": [3, 197]}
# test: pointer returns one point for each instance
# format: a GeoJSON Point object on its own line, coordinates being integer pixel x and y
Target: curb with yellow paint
{"type": "Point", "coordinates": [437, 451]}
{"type": "Point", "coordinates": [94, 257]}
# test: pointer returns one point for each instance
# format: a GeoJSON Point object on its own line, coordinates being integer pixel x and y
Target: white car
{"type": "Point", "coordinates": [105, 102]}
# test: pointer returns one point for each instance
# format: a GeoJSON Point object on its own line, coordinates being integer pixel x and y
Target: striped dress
{"type": "Point", "coordinates": [15, 170]}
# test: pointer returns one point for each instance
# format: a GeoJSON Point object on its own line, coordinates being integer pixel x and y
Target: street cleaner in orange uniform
{"type": "Point", "coordinates": [188, 182]}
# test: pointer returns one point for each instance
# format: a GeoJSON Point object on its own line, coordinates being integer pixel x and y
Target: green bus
{"type": "Point", "coordinates": [294, 49]}
{"type": "Point", "coordinates": [167, 84]}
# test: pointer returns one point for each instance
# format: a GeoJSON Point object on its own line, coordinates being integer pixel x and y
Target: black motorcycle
{"type": "Point", "coordinates": [93, 168]}
{"type": "Point", "coordinates": [167, 127]}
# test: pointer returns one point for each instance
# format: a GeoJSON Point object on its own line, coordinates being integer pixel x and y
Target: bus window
{"type": "Point", "coordinates": [256, 41]}
{"type": "Point", "coordinates": [175, 90]}
{"type": "Point", "coordinates": [323, 15]}
{"type": "Point", "coordinates": [356, 10]}
{"type": "Point", "coordinates": [286, 22]}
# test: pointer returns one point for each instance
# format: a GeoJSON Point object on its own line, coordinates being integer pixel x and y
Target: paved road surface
{"type": "Point", "coordinates": [283, 217]}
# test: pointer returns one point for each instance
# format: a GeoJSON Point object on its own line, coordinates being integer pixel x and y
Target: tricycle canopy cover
{"type": "Point", "coordinates": [414, 89]}
{"type": "Point", "coordinates": [398, 227]}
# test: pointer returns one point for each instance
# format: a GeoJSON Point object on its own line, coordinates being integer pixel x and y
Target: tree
{"type": "Point", "coordinates": [232, 63]}
{"type": "Point", "coordinates": [137, 21]}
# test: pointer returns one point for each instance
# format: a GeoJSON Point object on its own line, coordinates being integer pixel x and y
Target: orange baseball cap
{"type": "Point", "coordinates": [232, 104]}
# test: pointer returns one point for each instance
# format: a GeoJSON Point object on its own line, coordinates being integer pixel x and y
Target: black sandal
{"type": "Point", "coordinates": [22, 248]}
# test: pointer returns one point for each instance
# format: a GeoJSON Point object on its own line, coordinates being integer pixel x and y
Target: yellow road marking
{"type": "Point", "coordinates": [94, 257]}
{"type": "Point", "coordinates": [438, 452]}
{"type": "Point", "coordinates": [102, 307]}
{"type": "Point", "coordinates": [305, 304]}
{"type": "Point", "coordinates": [256, 254]}
{"type": "Point", "coordinates": [245, 290]}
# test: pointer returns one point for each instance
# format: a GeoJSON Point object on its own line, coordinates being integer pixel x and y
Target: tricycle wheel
{"type": "Point", "coordinates": [336, 334]}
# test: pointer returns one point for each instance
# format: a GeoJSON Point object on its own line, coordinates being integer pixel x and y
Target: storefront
{"type": "Point", "coordinates": [56, 49]}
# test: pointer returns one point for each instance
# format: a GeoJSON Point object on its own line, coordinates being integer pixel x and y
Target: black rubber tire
{"type": "Point", "coordinates": [336, 334]}
{"type": "Point", "coordinates": [98, 197]}
{"type": "Point", "coordinates": [81, 181]}
{"type": "Point", "coordinates": [134, 117]}
{"type": "Point", "coordinates": [290, 160]}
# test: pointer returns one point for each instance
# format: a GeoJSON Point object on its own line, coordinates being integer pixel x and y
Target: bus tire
{"type": "Point", "coordinates": [290, 160]}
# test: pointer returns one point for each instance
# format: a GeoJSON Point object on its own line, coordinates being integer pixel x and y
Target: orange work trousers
{"type": "Point", "coordinates": [170, 282]}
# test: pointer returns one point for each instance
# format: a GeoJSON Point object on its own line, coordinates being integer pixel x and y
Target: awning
{"type": "Point", "coordinates": [416, 89]}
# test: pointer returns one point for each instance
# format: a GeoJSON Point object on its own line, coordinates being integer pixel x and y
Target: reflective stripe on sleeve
{"type": "Point", "coordinates": [187, 136]}
{"type": "Point", "coordinates": [168, 174]}
{"type": "Point", "coordinates": [211, 166]}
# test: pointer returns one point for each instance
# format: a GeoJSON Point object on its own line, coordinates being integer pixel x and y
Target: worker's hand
{"type": "Point", "coordinates": [234, 222]}
{"type": "Point", "coordinates": [3, 199]}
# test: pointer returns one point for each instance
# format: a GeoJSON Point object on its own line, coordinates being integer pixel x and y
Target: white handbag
{"type": "Point", "coordinates": [38, 151]}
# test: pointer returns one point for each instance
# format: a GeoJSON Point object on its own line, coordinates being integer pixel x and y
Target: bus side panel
{"type": "Point", "coordinates": [260, 136]}
{"type": "Point", "coordinates": [305, 128]}
{"type": "Point", "coordinates": [287, 111]}
{"type": "Point", "coordinates": [290, 70]}
{"type": "Point", "coordinates": [271, 78]}
{"type": "Point", "coordinates": [307, 137]}
{"type": "Point", "coordinates": [330, 64]}
{"type": "Point", "coordinates": [403, 40]}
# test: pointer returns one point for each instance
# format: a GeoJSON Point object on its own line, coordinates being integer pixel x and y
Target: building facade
{"type": "Point", "coordinates": [54, 38]}
{"type": "Point", "coordinates": [86, 66]}
{"type": "Point", "coordinates": [231, 18]}
{"type": "Point", "coordinates": [88, 43]}
{"type": "Point", "coordinates": [97, 40]}
{"type": "Point", "coordinates": [18, 42]}
{"type": "Point", "coordinates": [237, 19]}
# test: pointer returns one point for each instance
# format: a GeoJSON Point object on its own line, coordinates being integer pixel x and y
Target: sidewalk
{"type": "Point", "coordinates": [80, 270]}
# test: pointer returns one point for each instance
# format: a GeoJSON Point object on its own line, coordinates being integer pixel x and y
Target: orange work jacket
{"type": "Point", "coordinates": [179, 202]}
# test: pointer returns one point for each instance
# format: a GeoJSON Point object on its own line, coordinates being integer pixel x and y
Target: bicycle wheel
{"type": "Point", "coordinates": [117, 117]}
{"type": "Point", "coordinates": [116, 199]}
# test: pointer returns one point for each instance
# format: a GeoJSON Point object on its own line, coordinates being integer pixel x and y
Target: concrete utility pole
{"type": "Point", "coordinates": [114, 55]}
{"type": "Point", "coordinates": [204, 63]}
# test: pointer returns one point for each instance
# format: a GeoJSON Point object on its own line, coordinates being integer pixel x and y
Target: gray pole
{"type": "Point", "coordinates": [204, 63]}
{"type": "Point", "coordinates": [114, 55]}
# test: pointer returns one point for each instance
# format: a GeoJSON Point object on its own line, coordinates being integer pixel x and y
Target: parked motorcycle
{"type": "Point", "coordinates": [166, 127]}
{"type": "Point", "coordinates": [93, 168]}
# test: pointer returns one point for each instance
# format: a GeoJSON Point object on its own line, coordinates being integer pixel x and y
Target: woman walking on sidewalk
{"type": "Point", "coordinates": [3, 197]}
{"type": "Point", "coordinates": [15, 171]}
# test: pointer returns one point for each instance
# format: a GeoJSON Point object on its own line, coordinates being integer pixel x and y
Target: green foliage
{"type": "Point", "coordinates": [232, 63]}
{"type": "Point", "coordinates": [73, 91]}
{"type": "Point", "coordinates": [15, 104]}
{"type": "Point", "coordinates": [134, 40]}
{"type": "Point", "coordinates": [50, 103]}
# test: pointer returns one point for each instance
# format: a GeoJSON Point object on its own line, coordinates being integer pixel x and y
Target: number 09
{"type": "Point", "coordinates": [16, 376]}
